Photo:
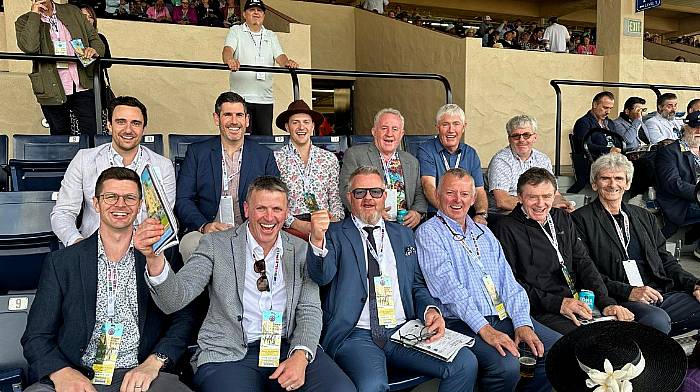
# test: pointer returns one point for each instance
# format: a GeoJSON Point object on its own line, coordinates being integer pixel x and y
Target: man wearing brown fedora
{"type": "Point", "coordinates": [311, 173]}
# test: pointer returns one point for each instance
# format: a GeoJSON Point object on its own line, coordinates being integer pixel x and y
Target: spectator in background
{"type": "Point", "coordinates": [375, 5]}
{"type": "Point", "coordinates": [664, 125]}
{"type": "Point", "coordinates": [485, 26]}
{"type": "Point", "coordinates": [494, 39]}
{"type": "Point", "coordinates": [61, 88]}
{"type": "Point", "coordinates": [184, 14]}
{"type": "Point", "coordinates": [586, 47]}
{"type": "Point", "coordinates": [138, 9]}
{"type": "Point", "coordinates": [251, 43]}
{"type": "Point", "coordinates": [693, 106]}
{"type": "Point", "coordinates": [680, 59]}
{"type": "Point", "coordinates": [507, 40]}
{"type": "Point", "coordinates": [111, 7]}
{"type": "Point", "coordinates": [556, 36]}
{"type": "Point", "coordinates": [537, 39]}
{"type": "Point", "coordinates": [231, 13]}
{"type": "Point", "coordinates": [158, 12]}
{"type": "Point", "coordinates": [630, 122]}
{"type": "Point", "coordinates": [524, 41]}
{"type": "Point", "coordinates": [209, 13]}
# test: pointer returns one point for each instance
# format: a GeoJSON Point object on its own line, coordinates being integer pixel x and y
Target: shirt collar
{"type": "Point", "coordinates": [101, 254]}
{"type": "Point", "coordinates": [359, 224]}
{"type": "Point", "coordinates": [471, 225]}
{"type": "Point", "coordinates": [517, 158]}
{"type": "Point", "coordinates": [119, 160]}
{"type": "Point", "coordinates": [442, 148]}
{"type": "Point", "coordinates": [255, 249]}
{"type": "Point", "coordinates": [246, 28]}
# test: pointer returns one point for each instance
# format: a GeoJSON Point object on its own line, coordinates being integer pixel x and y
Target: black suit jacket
{"type": "Point", "coordinates": [597, 231]}
{"type": "Point", "coordinates": [198, 191]}
{"type": "Point", "coordinates": [675, 181]}
{"type": "Point", "coordinates": [62, 317]}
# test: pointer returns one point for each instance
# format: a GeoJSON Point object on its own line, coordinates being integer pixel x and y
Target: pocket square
{"type": "Point", "coordinates": [410, 250]}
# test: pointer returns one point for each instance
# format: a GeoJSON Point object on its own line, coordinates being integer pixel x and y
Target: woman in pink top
{"type": "Point", "coordinates": [586, 47]}
{"type": "Point", "coordinates": [158, 12]}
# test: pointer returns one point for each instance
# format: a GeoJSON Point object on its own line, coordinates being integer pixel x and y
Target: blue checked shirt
{"type": "Point", "coordinates": [456, 280]}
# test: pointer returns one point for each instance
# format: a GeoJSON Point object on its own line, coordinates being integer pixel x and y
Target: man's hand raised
{"type": "Point", "coordinates": [147, 234]}
{"type": "Point", "coordinates": [320, 220]}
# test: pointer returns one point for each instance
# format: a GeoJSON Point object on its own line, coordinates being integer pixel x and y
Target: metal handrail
{"type": "Point", "coordinates": [204, 65]}
{"type": "Point", "coordinates": [656, 88]}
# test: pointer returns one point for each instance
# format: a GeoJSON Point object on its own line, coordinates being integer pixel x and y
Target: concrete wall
{"type": "Point", "coordinates": [669, 53]}
{"type": "Point", "coordinates": [669, 72]}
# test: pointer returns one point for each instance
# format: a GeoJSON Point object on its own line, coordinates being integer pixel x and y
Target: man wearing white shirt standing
{"type": "Point", "coordinates": [556, 36]}
{"type": "Point", "coordinates": [375, 5]}
{"type": "Point", "coordinates": [127, 122]}
{"type": "Point", "coordinates": [251, 43]}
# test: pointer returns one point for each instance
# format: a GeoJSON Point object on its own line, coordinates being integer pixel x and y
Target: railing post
{"type": "Point", "coordinates": [97, 89]}
{"type": "Point", "coordinates": [557, 133]}
{"type": "Point", "coordinates": [295, 84]}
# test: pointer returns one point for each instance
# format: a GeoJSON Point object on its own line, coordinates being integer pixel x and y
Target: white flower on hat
{"type": "Point", "coordinates": [611, 380]}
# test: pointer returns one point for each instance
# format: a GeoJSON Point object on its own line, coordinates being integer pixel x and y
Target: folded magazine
{"type": "Point", "coordinates": [157, 208]}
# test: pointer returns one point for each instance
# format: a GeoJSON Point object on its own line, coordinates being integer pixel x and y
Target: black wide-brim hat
{"type": "Point", "coordinates": [296, 107]}
{"type": "Point", "coordinates": [665, 368]}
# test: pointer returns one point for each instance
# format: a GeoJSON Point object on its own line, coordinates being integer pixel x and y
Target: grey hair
{"type": "Point", "coordinates": [521, 121]}
{"type": "Point", "coordinates": [460, 174]}
{"type": "Point", "coordinates": [450, 109]}
{"type": "Point", "coordinates": [612, 161]}
{"type": "Point", "coordinates": [388, 111]}
{"type": "Point", "coordinates": [363, 171]}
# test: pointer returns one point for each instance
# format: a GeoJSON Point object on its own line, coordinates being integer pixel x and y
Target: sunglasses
{"type": "Point", "coordinates": [360, 193]}
{"type": "Point", "coordinates": [517, 136]}
{"type": "Point", "coordinates": [262, 283]}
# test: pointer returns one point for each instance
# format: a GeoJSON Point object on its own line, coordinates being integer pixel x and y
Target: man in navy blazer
{"type": "Point", "coordinates": [205, 203]}
{"type": "Point", "coordinates": [353, 258]}
{"type": "Point", "coordinates": [61, 341]}
{"type": "Point", "coordinates": [677, 166]}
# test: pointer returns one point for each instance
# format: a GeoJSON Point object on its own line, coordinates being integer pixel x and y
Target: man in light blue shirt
{"type": "Point", "coordinates": [465, 270]}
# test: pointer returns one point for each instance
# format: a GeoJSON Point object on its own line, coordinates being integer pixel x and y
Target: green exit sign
{"type": "Point", "coordinates": [633, 27]}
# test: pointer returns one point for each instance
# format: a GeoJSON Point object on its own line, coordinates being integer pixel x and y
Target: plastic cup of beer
{"type": "Point", "coordinates": [527, 366]}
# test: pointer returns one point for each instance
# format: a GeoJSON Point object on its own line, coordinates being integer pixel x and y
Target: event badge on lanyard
{"type": "Point", "coordinates": [555, 244]}
{"type": "Point", "coordinates": [226, 214]}
{"type": "Point", "coordinates": [383, 284]}
{"type": "Point", "coordinates": [631, 268]}
{"type": "Point", "coordinates": [60, 47]}
{"type": "Point", "coordinates": [271, 328]}
{"type": "Point", "coordinates": [259, 59]}
{"type": "Point", "coordinates": [110, 336]}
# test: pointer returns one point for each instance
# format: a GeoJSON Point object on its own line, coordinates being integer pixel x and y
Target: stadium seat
{"type": "Point", "coordinates": [153, 142]}
{"type": "Point", "coordinates": [412, 142]}
{"type": "Point", "coordinates": [36, 175]}
{"type": "Point", "coordinates": [4, 146]}
{"type": "Point", "coordinates": [177, 145]}
{"type": "Point", "coordinates": [48, 147]}
{"type": "Point", "coordinates": [4, 170]}
{"type": "Point", "coordinates": [274, 143]}
{"type": "Point", "coordinates": [360, 139]}
{"type": "Point", "coordinates": [25, 238]}
{"type": "Point", "coordinates": [335, 144]}
{"type": "Point", "coordinates": [14, 309]}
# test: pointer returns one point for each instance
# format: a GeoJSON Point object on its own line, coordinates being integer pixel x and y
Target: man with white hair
{"type": "Point", "coordinates": [448, 151]}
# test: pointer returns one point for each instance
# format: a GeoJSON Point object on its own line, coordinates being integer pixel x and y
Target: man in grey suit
{"type": "Point", "coordinates": [405, 199]}
{"type": "Point", "coordinates": [264, 319]}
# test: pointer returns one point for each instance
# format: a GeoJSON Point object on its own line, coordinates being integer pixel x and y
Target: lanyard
{"type": "Point", "coordinates": [552, 237]}
{"type": "Point", "coordinates": [474, 255]}
{"type": "Point", "coordinates": [53, 21]}
{"type": "Point", "coordinates": [112, 279]}
{"type": "Point", "coordinates": [255, 44]}
{"type": "Point", "coordinates": [304, 170]}
{"type": "Point", "coordinates": [272, 283]}
{"type": "Point", "coordinates": [625, 237]}
{"type": "Point", "coordinates": [378, 255]}
{"type": "Point", "coordinates": [447, 165]}
{"type": "Point", "coordinates": [136, 163]}
{"type": "Point", "coordinates": [224, 168]}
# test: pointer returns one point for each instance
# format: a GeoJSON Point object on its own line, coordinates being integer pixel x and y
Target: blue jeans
{"type": "Point", "coordinates": [497, 373]}
{"type": "Point", "coordinates": [366, 364]}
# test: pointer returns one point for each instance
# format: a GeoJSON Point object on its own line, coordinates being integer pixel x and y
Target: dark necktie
{"type": "Point", "coordinates": [378, 332]}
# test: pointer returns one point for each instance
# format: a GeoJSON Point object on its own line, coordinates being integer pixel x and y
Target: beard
{"type": "Point", "coordinates": [370, 217]}
{"type": "Point", "coordinates": [690, 138]}
{"type": "Point", "coordinates": [668, 116]}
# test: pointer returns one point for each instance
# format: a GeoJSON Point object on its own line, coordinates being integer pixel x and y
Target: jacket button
{"type": "Point", "coordinates": [239, 317]}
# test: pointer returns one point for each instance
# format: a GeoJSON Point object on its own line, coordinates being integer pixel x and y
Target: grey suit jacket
{"type": "Point", "coordinates": [368, 155]}
{"type": "Point", "coordinates": [219, 264]}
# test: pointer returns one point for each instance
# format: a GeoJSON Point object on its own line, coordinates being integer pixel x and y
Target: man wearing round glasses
{"type": "Point", "coordinates": [95, 290]}
{"type": "Point", "coordinates": [369, 272]}
{"type": "Point", "coordinates": [509, 163]}
{"type": "Point", "coordinates": [264, 319]}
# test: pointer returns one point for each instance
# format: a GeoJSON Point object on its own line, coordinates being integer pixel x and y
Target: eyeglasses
{"type": "Point", "coordinates": [262, 283]}
{"type": "Point", "coordinates": [360, 193]}
{"type": "Point", "coordinates": [517, 136]}
{"type": "Point", "coordinates": [112, 198]}
{"type": "Point", "coordinates": [423, 335]}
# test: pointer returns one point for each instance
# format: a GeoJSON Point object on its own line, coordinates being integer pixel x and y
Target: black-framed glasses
{"type": "Point", "coordinates": [517, 136]}
{"type": "Point", "coordinates": [423, 335]}
{"type": "Point", "coordinates": [360, 193]}
{"type": "Point", "coordinates": [262, 283]}
{"type": "Point", "coordinates": [130, 199]}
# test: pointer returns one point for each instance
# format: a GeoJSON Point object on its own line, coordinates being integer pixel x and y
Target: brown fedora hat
{"type": "Point", "coordinates": [296, 107]}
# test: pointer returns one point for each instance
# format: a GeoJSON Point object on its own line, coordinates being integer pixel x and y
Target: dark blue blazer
{"type": "Point", "coordinates": [675, 181]}
{"type": "Point", "coordinates": [597, 144]}
{"type": "Point", "coordinates": [342, 275]}
{"type": "Point", "coordinates": [198, 190]}
{"type": "Point", "coordinates": [62, 317]}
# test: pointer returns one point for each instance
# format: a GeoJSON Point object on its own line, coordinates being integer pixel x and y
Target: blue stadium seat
{"type": "Point", "coordinates": [335, 144]}
{"type": "Point", "coordinates": [14, 310]}
{"type": "Point", "coordinates": [25, 238]}
{"type": "Point", "coordinates": [177, 145]}
{"type": "Point", "coordinates": [360, 139]}
{"type": "Point", "coordinates": [36, 175]}
{"type": "Point", "coordinates": [412, 142]}
{"type": "Point", "coordinates": [48, 147]}
{"type": "Point", "coordinates": [153, 142]}
{"type": "Point", "coordinates": [274, 143]}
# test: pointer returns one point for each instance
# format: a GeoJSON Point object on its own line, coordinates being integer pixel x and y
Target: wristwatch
{"type": "Point", "coordinates": [162, 358]}
{"type": "Point", "coordinates": [306, 354]}
{"type": "Point", "coordinates": [485, 214]}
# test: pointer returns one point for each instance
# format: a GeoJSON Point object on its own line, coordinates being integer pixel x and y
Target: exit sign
{"type": "Point", "coordinates": [633, 27]}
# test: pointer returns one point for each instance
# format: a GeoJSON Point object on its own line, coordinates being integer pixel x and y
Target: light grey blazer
{"type": "Point", "coordinates": [368, 155]}
{"type": "Point", "coordinates": [219, 264]}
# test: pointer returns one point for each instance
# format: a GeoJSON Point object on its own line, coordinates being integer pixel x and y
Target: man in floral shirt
{"type": "Point", "coordinates": [310, 173]}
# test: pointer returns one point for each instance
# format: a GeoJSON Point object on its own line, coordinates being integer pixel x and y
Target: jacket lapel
{"type": "Point", "coordinates": [142, 292]}
{"type": "Point", "coordinates": [403, 276]}
{"type": "Point", "coordinates": [408, 172]}
{"type": "Point", "coordinates": [374, 158]}
{"type": "Point", "coordinates": [604, 222]}
{"type": "Point", "coordinates": [691, 161]}
{"type": "Point", "coordinates": [102, 161]}
{"type": "Point", "coordinates": [88, 275]}
{"type": "Point", "coordinates": [246, 155]}
{"type": "Point", "coordinates": [215, 158]}
{"type": "Point", "coordinates": [238, 250]}
{"type": "Point", "coordinates": [356, 241]}
{"type": "Point", "coordinates": [289, 272]}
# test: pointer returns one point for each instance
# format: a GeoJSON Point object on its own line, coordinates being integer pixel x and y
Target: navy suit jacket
{"type": "Point", "coordinates": [198, 190]}
{"type": "Point", "coordinates": [675, 181]}
{"type": "Point", "coordinates": [342, 275]}
{"type": "Point", "coordinates": [62, 317]}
